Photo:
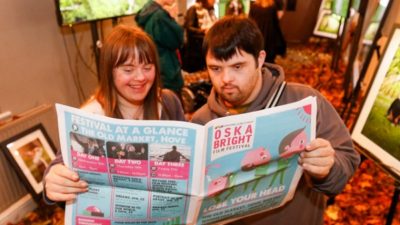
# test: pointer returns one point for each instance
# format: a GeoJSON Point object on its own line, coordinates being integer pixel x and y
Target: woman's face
{"type": "Point", "coordinates": [211, 3]}
{"type": "Point", "coordinates": [133, 80]}
{"type": "Point", "coordinates": [170, 2]}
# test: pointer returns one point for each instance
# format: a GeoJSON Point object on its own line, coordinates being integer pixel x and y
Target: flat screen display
{"type": "Point", "coordinates": [71, 12]}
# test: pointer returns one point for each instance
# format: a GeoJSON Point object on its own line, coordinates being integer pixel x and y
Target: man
{"type": "Point", "coordinates": [198, 19]}
{"type": "Point", "coordinates": [157, 19]}
{"type": "Point", "coordinates": [242, 83]}
{"type": "Point", "coordinates": [173, 155]}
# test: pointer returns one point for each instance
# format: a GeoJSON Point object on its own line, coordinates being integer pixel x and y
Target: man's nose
{"type": "Point", "coordinates": [226, 76]}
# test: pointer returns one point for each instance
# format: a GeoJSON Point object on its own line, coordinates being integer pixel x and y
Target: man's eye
{"type": "Point", "coordinates": [237, 67]}
{"type": "Point", "coordinates": [214, 68]}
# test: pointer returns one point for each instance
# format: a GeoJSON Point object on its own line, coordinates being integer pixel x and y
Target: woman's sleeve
{"type": "Point", "coordinates": [57, 160]}
{"type": "Point", "coordinates": [172, 106]}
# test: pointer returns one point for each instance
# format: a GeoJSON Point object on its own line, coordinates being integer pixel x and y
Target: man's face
{"type": "Point", "coordinates": [237, 80]}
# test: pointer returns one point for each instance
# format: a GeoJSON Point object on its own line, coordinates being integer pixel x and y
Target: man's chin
{"type": "Point", "coordinates": [231, 100]}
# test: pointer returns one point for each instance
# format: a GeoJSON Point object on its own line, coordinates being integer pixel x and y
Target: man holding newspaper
{"type": "Point", "coordinates": [243, 83]}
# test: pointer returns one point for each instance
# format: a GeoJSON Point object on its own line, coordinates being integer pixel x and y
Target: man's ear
{"type": "Point", "coordinates": [261, 58]}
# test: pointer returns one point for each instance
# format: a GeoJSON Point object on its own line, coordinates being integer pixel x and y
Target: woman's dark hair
{"type": "Point", "coordinates": [127, 43]}
{"type": "Point", "coordinates": [205, 4]}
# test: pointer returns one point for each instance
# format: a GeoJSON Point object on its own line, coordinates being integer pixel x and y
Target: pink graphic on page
{"type": "Point", "coordinates": [293, 143]}
{"type": "Point", "coordinates": [80, 220]}
{"type": "Point", "coordinates": [307, 109]}
{"type": "Point", "coordinates": [170, 170]}
{"type": "Point", "coordinates": [88, 162]}
{"type": "Point", "coordinates": [128, 167]}
{"type": "Point", "coordinates": [93, 211]}
{"type": "Point", "coordinates": [256, 157]}
{"type": "Point", "coordinates": [217, 185]}
{"type": "Point", "coordinates": [304, 113]}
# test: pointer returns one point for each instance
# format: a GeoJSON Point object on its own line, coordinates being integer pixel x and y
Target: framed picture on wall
{"type": "Point", "coordinates": [377, 128]}
{"type": "Point", "coordinates": [328, 24]}
{"type": "Point", "coordinates": [30, 153]}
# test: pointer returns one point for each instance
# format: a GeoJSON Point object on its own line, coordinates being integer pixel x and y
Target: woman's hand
{"type": "Point", "coordinates": [62, 184]}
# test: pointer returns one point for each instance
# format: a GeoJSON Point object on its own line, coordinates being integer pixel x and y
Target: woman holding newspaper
{"type": "Point", "coordinates": [128, 88]}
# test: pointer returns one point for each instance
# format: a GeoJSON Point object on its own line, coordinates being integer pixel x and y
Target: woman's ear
{"type": "Point", "coordinates": [261, 58]}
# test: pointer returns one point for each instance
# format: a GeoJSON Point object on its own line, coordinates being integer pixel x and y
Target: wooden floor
{"type": "Point", "coordinates": [366, 198]}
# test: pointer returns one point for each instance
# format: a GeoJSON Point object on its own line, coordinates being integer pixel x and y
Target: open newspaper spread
{"type": "Point", "coordinates": [172, 172]}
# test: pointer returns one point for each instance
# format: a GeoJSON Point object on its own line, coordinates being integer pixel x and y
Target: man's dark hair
{"type": "Point", "coordinates": [231, 34]}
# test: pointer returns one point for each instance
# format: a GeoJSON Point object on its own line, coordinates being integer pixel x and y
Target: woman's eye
{"type": "Point", "coordinates": [148, 67]}
{"type": "Point", "coordinates": [126, 69]}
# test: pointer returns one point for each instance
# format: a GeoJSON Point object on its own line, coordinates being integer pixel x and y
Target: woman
{"type": "Point", "coordinates": [128, 89]}
{"type": "Point", "coordinates": [199, 18]}
{"type": "Point", "coordinates": [267, 13]}
{"type": "Point", "coordinates": [234, 8]}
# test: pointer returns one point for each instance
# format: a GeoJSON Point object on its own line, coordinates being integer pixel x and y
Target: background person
{"type": "Point", "coordinates": [234, 8]}
{"type": "Point", "coordinates": [157, 19]}
{"type": "Point", "coordinates": [198, 19]}
{"type": "Point", "coordinates": [136, 153]}
{"type": "Point", "coordinates": [173, 156]}
{"type": "Point", "coordinates": [128, 89]}
{"type": "Point", "coordinates": [243, 83]}
{"type": "Point", "coordinates": [267, 13]}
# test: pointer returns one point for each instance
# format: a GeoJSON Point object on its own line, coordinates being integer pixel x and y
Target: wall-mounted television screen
{"type": "Point", "coordinates": [78, 11]}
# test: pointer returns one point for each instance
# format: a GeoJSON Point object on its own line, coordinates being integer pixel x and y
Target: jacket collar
{"type": "Point", "coordinates": [272, 77]}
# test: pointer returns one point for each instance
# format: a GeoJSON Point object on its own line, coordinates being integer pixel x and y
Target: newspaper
{"type": "Point", "coordinates": [173, 172]}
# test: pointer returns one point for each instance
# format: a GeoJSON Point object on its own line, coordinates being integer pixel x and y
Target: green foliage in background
{"type": "Point", "coordinates": [391, 84]}
{"type": "Point", "coordinates": [330, 23]}
{"type": "Point", "coordinates": [378, 128]}
{"type": "Point", "coordinates": [339, 7]}
{"type": "Point", "coordinates": [377, 17]}
{"type": "Point", "coordinates": [222, 7]}
{"type": "Point", "coordinates": [74, 11]}
{"type": "Point", "coordinates": [327, 4]}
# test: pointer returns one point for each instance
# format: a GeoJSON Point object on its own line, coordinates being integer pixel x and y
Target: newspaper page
{"type": "Point", "coordinates": [251, 160]}
{"type": "Point", "coordinates": [134, 175]}
{"type": "Point", "coordinates": [173, 172]}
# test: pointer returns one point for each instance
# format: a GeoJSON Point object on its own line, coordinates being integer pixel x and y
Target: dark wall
{"type": "Point", "coordinates": [297, 26]}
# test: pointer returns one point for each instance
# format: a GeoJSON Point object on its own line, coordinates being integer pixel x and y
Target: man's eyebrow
{"type": "Point", "coordinates": [239, 63]}
{"type": "Point", "coordinates": [212, 65]}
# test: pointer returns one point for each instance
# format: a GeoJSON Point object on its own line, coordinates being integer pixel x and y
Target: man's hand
{"type": "Point", "coordinates": [318, 158]}
{"type": "Point", "coordinates": [62, 184]}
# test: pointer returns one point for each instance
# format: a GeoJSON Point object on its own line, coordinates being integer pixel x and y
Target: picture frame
{"type": "Point", "coordinates": [30, 152]}
{"type": "Point", "coordinates": [328, 24]}
{"type": "Point", "coordinates": [377, 127]}
{"type": "Point", "coordinates": [330, 21]}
